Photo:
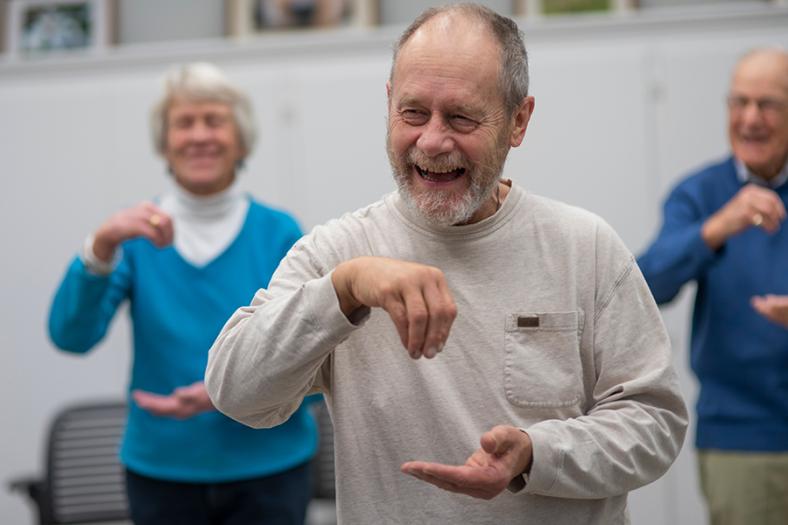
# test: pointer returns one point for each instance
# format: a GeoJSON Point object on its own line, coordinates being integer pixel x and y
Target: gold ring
{"type": "Point", "coordinates": [757, 219]}
{"type": "Point", "coordinates": [155, 220]}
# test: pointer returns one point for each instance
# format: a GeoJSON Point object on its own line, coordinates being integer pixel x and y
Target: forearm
{"type": "Point", "coordinates": [675, 258]}
{"type": "Point", "coordinates": [272, 353]}
{"type": "Point", "coordinates": [636, 420]}
{"type": "Point", "coordinates": [715, 231]}
{"type": "Point", "coordinates": [607, 453]}
{"type": "Point", "coordinates": [81, 310]}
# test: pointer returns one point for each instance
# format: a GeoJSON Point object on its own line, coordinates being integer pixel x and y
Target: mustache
{"type": "Point", "coordinates": [443, 162]}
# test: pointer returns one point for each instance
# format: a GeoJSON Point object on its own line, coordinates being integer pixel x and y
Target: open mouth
{"type": "Point", "coordinates": [755, 138]}
{"type": "Point", "coordinates": [440, 176]}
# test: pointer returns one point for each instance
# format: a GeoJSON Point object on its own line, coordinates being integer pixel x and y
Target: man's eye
{"type": "Point", "coordinates": [413, 116]}
{"type": "Point", "coordinates": [738, 102]}
{"type": "Point", "coordinates": [770, 104]}
{"type": "Point", "coordinates": [462, 122]}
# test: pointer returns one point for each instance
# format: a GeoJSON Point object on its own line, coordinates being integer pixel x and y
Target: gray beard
{"type": "Point", "coordinates": [447, 208]}
{"type": "Point", "coordinates": [444, 208]}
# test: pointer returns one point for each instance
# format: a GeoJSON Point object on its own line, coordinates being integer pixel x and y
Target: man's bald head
{"type": "Point", "coordinates": [758, 111]}
{"type": "Point", "coordinates": [513, 71]}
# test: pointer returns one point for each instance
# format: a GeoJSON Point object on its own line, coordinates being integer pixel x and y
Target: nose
{"type": "Point", "coordinates": [200, 131]}
{"type": "Point", "coordinates": [435, 137]}
{"type": "Point", "coordinates": [751, 113]}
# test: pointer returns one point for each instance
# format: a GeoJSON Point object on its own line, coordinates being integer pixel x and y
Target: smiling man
{"type": "Point", "coordinates": [723, 229]}
{"type": "Point", "coordinates": [469, 336]}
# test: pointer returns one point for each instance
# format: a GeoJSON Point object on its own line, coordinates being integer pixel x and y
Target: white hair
{"type": "Point", "coordinates": [202, 82]}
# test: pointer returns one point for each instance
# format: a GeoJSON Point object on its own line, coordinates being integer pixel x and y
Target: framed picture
{"type": "Point", "coordinates": [555, 7]}
{"type": "Point", "coordinates": [568, 7]}
{"type": "Point", "coordinates": [248, 17]}
{"type": "Point", "coordinates": [34, 27]}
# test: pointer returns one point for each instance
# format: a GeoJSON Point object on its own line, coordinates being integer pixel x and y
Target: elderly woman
{"type": "Point", "coordinates": [184, 263]}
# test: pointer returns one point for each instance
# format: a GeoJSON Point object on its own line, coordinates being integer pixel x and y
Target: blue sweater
{"type": "Point", "coordinates": [177, 310]}
{"type": "Point", "coordinates": [739, 357]}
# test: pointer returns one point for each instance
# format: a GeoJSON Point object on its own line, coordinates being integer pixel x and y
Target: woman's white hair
{"type": "Point", "coordinates": [202, 82]}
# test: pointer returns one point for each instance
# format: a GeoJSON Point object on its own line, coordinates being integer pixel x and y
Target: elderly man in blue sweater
{"type": "Point", "coordinates": [723, 228]}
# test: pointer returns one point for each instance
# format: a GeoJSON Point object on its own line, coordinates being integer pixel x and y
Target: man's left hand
{"type": "Point", "coordinates": [505, 453]}
{"type": "Point", "coordinates": [183, 403]}
{"type": "Point", "coordinates": [772, 307]}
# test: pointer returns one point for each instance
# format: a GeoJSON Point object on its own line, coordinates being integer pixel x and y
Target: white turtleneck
{"type": "Point", "coordinates": [204, 226]}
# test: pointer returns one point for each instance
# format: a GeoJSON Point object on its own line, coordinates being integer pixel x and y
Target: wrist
{"type": "Point", "coordinates": [341, 280]}
{"type": "Point", "coordinates": [713, 233]}
{"type": "Point", "coordinates": [103, 248]}
{"type": "Point", "coordinates": [93, 262]}
{"type": "Point", "coordinates": [526, 453]}
{"type": "Point", "coordinates": [523, 465]}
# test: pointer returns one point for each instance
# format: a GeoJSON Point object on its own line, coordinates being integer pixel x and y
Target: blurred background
{"type": "Point", "coordinates": [630, 95]}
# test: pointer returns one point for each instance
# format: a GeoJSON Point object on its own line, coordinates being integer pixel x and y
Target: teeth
{"type": "Point", "coordinates": [439, 172]}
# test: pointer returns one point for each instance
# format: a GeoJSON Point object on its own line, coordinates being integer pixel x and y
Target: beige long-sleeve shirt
{"type": "Point", "coordinates": [592, 384]}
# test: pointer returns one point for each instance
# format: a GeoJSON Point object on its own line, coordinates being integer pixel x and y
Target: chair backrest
{"type": "Point", "coordinates": [323, 486]}
{"type": "Point", "coordinates": [85, 482]}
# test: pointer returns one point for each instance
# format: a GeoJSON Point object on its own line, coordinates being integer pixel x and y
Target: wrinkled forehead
{"type": "Point", "coordinates": [454, 51]}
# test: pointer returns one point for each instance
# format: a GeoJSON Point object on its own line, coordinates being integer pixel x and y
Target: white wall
{"type": "Point", "coordinates": [624, 106]}
{"type": "Point", "coordinates": [157, 21]}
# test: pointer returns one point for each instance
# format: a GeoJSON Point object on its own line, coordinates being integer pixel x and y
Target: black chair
{"type": "Point", "coordinates": [84, 480]}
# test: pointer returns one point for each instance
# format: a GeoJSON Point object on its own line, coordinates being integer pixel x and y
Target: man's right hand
{"type": "Point", "coordinates": [752, 206]}
{"type": "Point", "coordinates": [143, 220]}
{"type": "Point", "coordinates": [415, 296]}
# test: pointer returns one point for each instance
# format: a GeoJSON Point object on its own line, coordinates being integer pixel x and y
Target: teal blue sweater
{"type": "Point", "coordinates": [177, 310]}
{"type": "Point", "coordinates": [739, 357]}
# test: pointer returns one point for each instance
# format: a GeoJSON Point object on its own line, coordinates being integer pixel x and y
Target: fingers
{"type": "Point", "coordinates": [430, 314]}
{"type": "Point", "coordinates": [184, 402]}
{"type": "Point", "coordinates": [761, 208]}
{"type": "Point", "coordinates": [445, 483]}
{"type": "Point", "coordinates": [194, 398]}
{"type": "Point", "coordinates": [442, 312]}
{"type": "Point", "coordinates": [416, 297]}
{"type": "Point", "coordinates": [143, 220]}
{"type": "Point", "coordinates": [495, 442]}
{"type": "Point", "coordinates": [417, 314]}
{"type": "Point", "coordinates": [506, 452]}
{"type": "Point", "coordinates": [511, 446]}
{"type": "Point", "coordinates": [478, 482]}
{"type": "Point", "coordinates": [155, 403]}
{"type": "Point", "coordinates": [772, 307]}
{"type": "Point", "coordinates": [155, 224]}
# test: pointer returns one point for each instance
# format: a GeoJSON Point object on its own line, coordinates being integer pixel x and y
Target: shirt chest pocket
{"type": "Point", "coordinates": [542, 367]}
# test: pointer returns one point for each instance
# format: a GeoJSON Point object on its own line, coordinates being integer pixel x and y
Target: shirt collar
{"type": "Point", "coordinates": [211, 207]}
{"type": "Point", "coordinates": [745, 175]}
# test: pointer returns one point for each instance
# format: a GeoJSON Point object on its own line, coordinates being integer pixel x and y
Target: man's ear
{"type": "Point", "coordinates": [521, 119]}
{"type": "Point", "coordinates": [388, 92]}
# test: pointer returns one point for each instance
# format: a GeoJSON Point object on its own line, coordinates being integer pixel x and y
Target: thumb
{"type": "Point", "coordinates": [496, 441]}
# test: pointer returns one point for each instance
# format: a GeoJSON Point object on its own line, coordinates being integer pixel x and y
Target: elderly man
{"type": "Point", "coordinates": [528, 331]}
{"type": "Point", "coordinates": [722, 229]}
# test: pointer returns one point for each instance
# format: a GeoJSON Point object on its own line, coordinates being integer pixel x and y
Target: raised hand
{"type": "Point", "coordinates": [143, 220]}
{"type": "Point", "coordinates": [752, 206]}
{"type": "Point", "coordinates": [772, 307]}
{"type": "Point", "coordinates": [184, 402]}
{"type": "Point", "coordinates": [415, 296]}
{"type": "Point", "coordinates": [505, 453]}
